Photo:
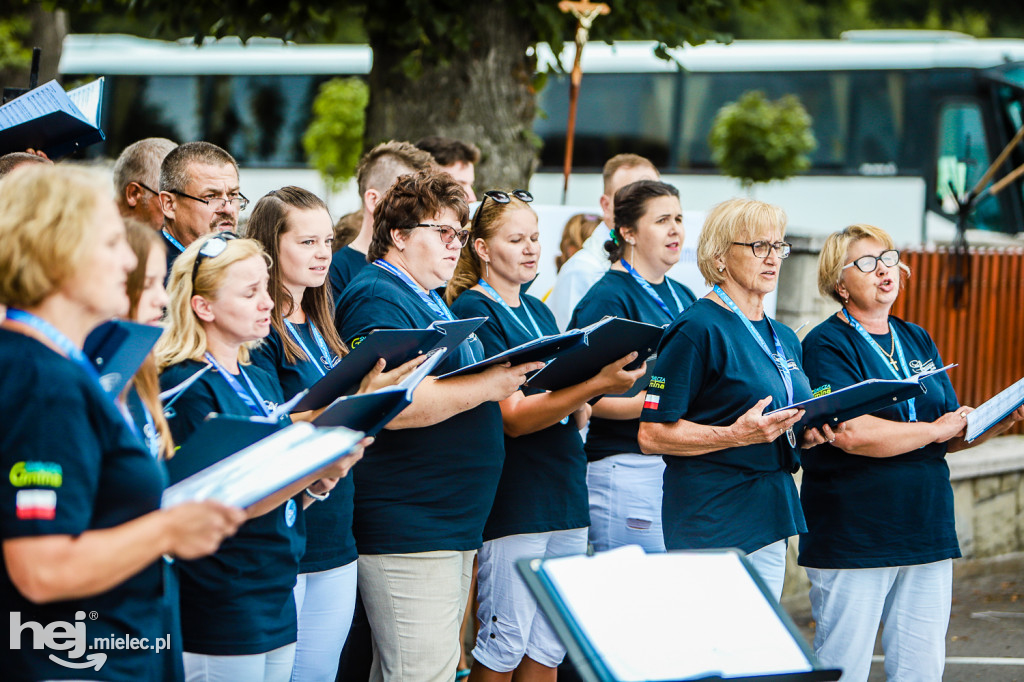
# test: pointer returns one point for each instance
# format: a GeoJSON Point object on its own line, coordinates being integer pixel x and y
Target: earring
{"type": "Point", "coordinates": [721, 268]}
{"type": "Point", "coordinates": [487, 269]}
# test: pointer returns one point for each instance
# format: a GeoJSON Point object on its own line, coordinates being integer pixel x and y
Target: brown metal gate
{"type": "Point", "coordinates": [986, 335]}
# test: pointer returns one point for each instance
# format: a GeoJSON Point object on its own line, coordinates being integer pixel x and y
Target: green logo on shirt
{"type": "Point", "coordinates": [824, 389]}
{"type": "Point", "coordinates": [47, 474]}
{"type": "Point", "coordinates": [657, 383]}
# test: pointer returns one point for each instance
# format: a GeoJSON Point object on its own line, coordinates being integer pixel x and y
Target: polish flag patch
{"type": "Point", "coordinates": [651, 402]}
{"type": "Point", "coordinates": [36, 504]}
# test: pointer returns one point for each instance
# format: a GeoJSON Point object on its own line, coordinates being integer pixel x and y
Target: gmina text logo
{"type": "Point", "coordinates": [72, 639]}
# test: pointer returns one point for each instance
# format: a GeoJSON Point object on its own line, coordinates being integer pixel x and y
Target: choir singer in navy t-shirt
{"type": "Point", "coordinates": [879, 505]}
{"type": "Point", "coordinates": [721, 365]}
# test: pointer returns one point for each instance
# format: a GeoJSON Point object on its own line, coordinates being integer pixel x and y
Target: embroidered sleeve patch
{"type": "Point", "coordinates": [36, 474]}
{"type": "Point", "coordinates": [651, 402]}
{"type": "Point", "coordinates": [657, 383]}
{"type": "Point", "coordinates": [36, 504]}
{"type": "Point", "coordinates": [824, 389]}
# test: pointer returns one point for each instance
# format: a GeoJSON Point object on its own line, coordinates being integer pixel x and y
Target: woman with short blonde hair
{"type": "Point", "coordinates": [80, 517]}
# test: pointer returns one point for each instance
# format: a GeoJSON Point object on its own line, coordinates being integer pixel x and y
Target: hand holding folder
{"type": "Point", "coordinates": [538, 350]}
{"type": "Point", "coordinates": [117, 349]}
{"type": "Point", "coordinates": [396, 346]}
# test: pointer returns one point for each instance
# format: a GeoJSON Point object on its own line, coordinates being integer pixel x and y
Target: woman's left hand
{"type": "Point", "coordinates": [814, 437]}
{"type": "Point", "coordinates": [377, 378]}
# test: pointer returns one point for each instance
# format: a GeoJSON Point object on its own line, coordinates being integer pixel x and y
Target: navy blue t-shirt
{"type": "Point", "coordinates": [419, 489]}
{"type": "Point", "coordinates": [710, 371]}
{"type": "Point", "coordinates": [70, 465]}
{"type": "Point", "coordinates": [619, 295]}
{"type": "Point", "coordinates": [345, 265]}
{"type": "Point", "coordinates": [239, 600]}
{"type": "Point", "coordinates": [869, 512]}
{"type": "Point", "coordinates": [543, 483]}
{"type": "Point", "coordinates": [329, 539]}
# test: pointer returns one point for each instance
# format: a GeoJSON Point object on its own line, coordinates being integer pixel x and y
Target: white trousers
{"type": "Point", "coordinates": [273, 666]}
{"type": "Point", "coordinates": [415, 604]}
{"type": "Point", "coordinates": [325, 601]}
{"type": "Point", "coordinates": [770, 562]}
{"type": "Point", "coordinates": [510, 624]}
{"type": "Point", "coordinates": [911, 602]}
{"type": "Point", "coordinates": [625, 502]}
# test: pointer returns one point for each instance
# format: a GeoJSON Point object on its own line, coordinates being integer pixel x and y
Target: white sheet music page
{"type": "Point", "coordinates": [675, 616]}
{"type": "Point", "coordinates": [994, 410]}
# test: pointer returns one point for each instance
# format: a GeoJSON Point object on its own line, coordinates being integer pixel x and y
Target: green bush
{"type": "Point", "coordinates": [334, 138]}
{"type": "Point", "coordinates": [758, 140]}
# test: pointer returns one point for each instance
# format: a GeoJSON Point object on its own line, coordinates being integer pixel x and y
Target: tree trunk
{"type": "Point", "coordinates": [484, 96]}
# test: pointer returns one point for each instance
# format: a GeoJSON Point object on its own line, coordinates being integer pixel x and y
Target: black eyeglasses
{"type": "Point", "coordinates": [447, 233]}
{"type": "Point", "coordinates": [213, 247]}
{"type": "Point", "coordinates": [762, 248]}
{"type": "Point", "coordinates": [216, 203]}
{"type": "Point", "coordinates": [146, 187]}
{"type": "Point", "coordinates": [502, 198]}
{"type": "Point", "coordinates": [889, 258]}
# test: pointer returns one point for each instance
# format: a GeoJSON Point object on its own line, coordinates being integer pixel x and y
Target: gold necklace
{"type": "Point", "coordinates": [892, 344]}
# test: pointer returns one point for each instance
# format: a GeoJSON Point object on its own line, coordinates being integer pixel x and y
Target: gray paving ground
{"type": "Point", "coordinates": [987, 622]}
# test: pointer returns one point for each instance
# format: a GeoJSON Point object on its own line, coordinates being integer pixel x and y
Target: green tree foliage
{"type": "Point", "coordinates": [14, 33]}
{"type": "Point", "coordinates": [757, 140]}
{"type": "Point", "coordinates": [334, 139]}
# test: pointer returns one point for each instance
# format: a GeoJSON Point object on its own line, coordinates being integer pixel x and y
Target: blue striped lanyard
{"type": "Point", "coordinates": [888, 361]}
{"type": "Point", "coordinates": [254, 401]}
{"type": "Point", "coordinates": [174, 241]}
{"type": "Point", "coordinates": [431, 299]}
{"type": "Point", "coordinates": [326, 360]}
{"type": "Point", "coordinates": [149, 433]}
{"type": "Point", "coordinates": [646, 286]}
{"type": "Point", "coordinates": [780, 362]}
{"type": "Point", "coordinates": [63, 343]}
{"type": "Point", "coordinates": [497, 297]}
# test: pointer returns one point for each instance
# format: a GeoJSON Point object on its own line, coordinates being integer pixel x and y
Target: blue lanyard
{"type": "Point", "coordinates": [497, 297]}
{"type": "Point", "coordinates": [253, 401]}
{"type": "Point", "coordinates": [174, 241]}
{"type": "Point", "coordinates": [888, 361]}
{"type": "Point", "coordinates": [431, 299]}
{"type": "Point", "coordinates": [58, 339]}
{"type": "Point", "coordinates": [326, 359]}
{"type": "Point", "coordinates": [780, 362]}
{"type": "Point", "coordinates": [646, 286]}
{"type": "Point", "coordinates": [150, 432]}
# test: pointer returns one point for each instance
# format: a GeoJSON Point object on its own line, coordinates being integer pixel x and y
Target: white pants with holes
{"type": "Point", "coordinates": [625, 502]}
{"type": "Point", "coordinates": [911, 602]}
{"type": "Point", "coordinates": [273, 666]}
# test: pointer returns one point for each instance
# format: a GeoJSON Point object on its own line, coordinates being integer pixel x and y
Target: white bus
{"type": "Point", "coordinates": [899, 116]}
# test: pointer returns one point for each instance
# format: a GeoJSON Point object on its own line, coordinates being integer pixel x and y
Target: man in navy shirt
{"type": "Point", "coordinates": [199, 194]}
{"type": "Point", "coordinates": [377, 171]}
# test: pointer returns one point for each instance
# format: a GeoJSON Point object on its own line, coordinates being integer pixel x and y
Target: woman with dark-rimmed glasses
{"type": "Point", "coordinates": [238, 610]}
{"type": "Point", "coordinates": [429, 480]}
{"type": "Point", "coordinates": [880, 529]}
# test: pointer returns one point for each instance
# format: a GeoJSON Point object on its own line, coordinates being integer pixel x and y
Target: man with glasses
{"type": "Point", "coordinates": [199, 194]}
{"type": "Point", "coordinates": [589, 264]}
{"type": "Point", "coordinates": [137, 177]}
{"type": "Point", "coordinates": [377, 171]}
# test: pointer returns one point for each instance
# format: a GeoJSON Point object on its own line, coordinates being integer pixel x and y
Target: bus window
{"type": "Point", "coordinates": [617, 113]}
{"type": "Point", "coordinates": [877, 125]}
{"type": "Point", "coordinates": [962, 160]}
{"type": "Point", "coordinates": [150, 106]}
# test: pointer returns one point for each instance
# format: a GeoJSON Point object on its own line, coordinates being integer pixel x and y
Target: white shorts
{"type": "Point", "coordinates": [625, 502]}
{"type": "Point", "coordinates": [511, 625]}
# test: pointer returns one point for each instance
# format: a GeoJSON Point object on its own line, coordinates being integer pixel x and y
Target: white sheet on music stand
{"type": "Point", "coordinates": [665, 616]}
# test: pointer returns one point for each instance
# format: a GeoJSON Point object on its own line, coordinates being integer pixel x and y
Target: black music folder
{"type": "Point", "coordinates": [538, 350]}
{"type": "Point", "coordinates": [627, 616]}
{"type": "Point", "coordinates": [51, 120]}
{"type": "Point", "coordinates": [218, 437]}
{"type": "Point", "coordinates": [117, 349]}
{"type": "Point", "coordinates": [371, 412]}
{"type": "Point", "coordinates": [265, 467]}
{"type": "Point", "coordinates": [859, 399]}
{"type": "Point", "coordinates": [396, 346]}
{"type": "Point", "coordinates": [603, 342]}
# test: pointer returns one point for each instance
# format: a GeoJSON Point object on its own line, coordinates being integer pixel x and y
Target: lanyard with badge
{"type": "Point", "coordinates": [327, 360]}
{"type": "Point", "coordinates": [431, 299]}
{"type": "Point", "coordinates": [254, 401]}
{"type": "Point", "coordinates": [173, 241]}
{"type": "Point", "coordinates": [889, 362]}
{"type": "Point", "coordinates": [646, 286]}
{"type": "Point", "coordinates": [780, 362]}
{"type": "Point", "coordinates": [63, 343]}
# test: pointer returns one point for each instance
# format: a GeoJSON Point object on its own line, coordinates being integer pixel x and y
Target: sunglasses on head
{"type": "Point", "coordinates": [501, 197]}
{"type": "Point", "coordinates": [213, 247]}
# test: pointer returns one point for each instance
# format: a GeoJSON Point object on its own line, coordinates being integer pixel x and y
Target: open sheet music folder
{"type": "Point", "coordinates": [627, 616]}
{"type": "Point", "coordinates": [994, 410]}
{"type": "Point", "coordinates": [54, 121]}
